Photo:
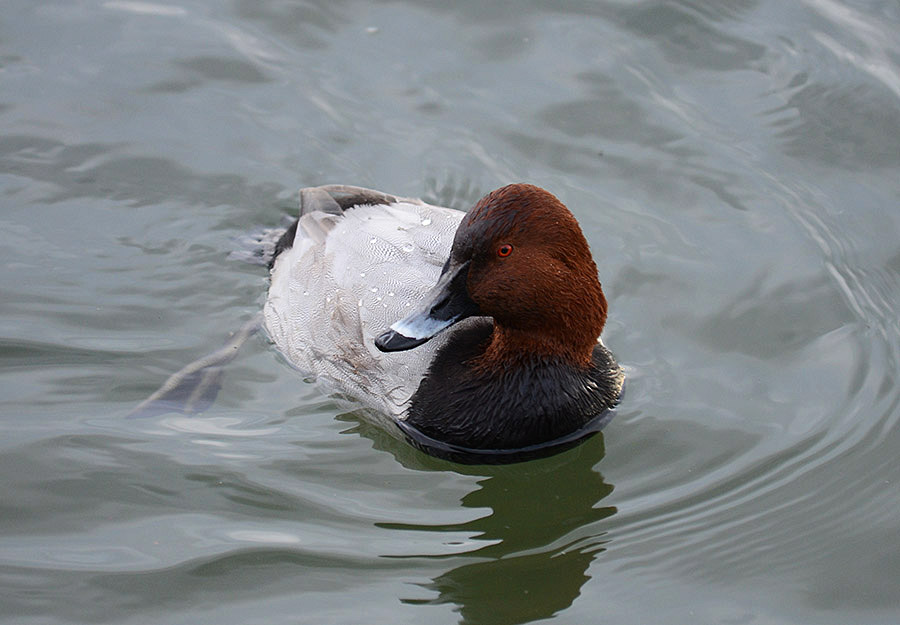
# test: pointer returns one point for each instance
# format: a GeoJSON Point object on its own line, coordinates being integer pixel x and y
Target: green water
{"type": "Point", "coordinates": [735, 167]}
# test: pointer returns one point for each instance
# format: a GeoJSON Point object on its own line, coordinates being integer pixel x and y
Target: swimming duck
{"type": "Point", "coordinates": [478, 333]}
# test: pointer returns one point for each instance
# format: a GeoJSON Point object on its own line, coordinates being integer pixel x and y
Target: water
{"type": "Point", "coordinates": [735, 168]}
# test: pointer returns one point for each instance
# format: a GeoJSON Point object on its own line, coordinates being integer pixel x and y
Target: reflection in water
{"type": "Point", "coordinates": [844, 123]}
{"type": "Point", "coordinates": [519, 589]}
{"type": "Point", "coordinates": [98, 170]}
{"type": "Point", "coordinates": [771, 321]}
{"type": "Point", "coordinates": [307, 24]}
{"type": "Point", "coordinates": [692, 40]}
{"type": "Point", "coordinates": [531, 565]}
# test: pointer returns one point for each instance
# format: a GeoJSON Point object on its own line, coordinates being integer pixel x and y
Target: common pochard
{"type": "Point", "coordinates": [478, 333]}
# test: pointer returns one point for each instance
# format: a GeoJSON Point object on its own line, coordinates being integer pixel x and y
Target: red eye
{"type": "Point", "coordinates": [504, 250]}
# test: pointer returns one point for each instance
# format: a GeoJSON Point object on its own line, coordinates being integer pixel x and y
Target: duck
{"type": "Point", "coordinates": [476, 333]}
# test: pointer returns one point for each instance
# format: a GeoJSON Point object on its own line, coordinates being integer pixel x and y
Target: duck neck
{"type": "Point", "coordinates": [567, 338]}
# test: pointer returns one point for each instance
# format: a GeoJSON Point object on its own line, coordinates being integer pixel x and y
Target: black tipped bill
{"type": "Point", "coordinates": [447, 303]}
{"type": "Point", "coordinates": [392, 341]}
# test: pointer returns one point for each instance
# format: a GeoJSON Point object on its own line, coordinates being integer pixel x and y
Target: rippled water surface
{"type": "Point", "coordinates": [736, 168]}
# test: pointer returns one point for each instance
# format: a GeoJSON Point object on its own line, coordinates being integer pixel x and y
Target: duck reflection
{"type": "Point", "coordinates": [534, 561]}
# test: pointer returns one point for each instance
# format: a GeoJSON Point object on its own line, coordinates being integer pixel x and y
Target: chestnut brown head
{"type": "Point", "coordinates": [519, 257]}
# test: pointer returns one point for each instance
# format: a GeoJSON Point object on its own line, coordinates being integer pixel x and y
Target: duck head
{"type": "Point", "coordinates": [519, 257]}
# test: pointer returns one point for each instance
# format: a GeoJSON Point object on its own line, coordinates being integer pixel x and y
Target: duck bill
{"type": "Point", "coordinates": [445, 304]}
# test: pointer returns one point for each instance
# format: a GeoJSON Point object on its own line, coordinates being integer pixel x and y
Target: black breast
{"type": "Point", "coordinates": [535, 402]}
